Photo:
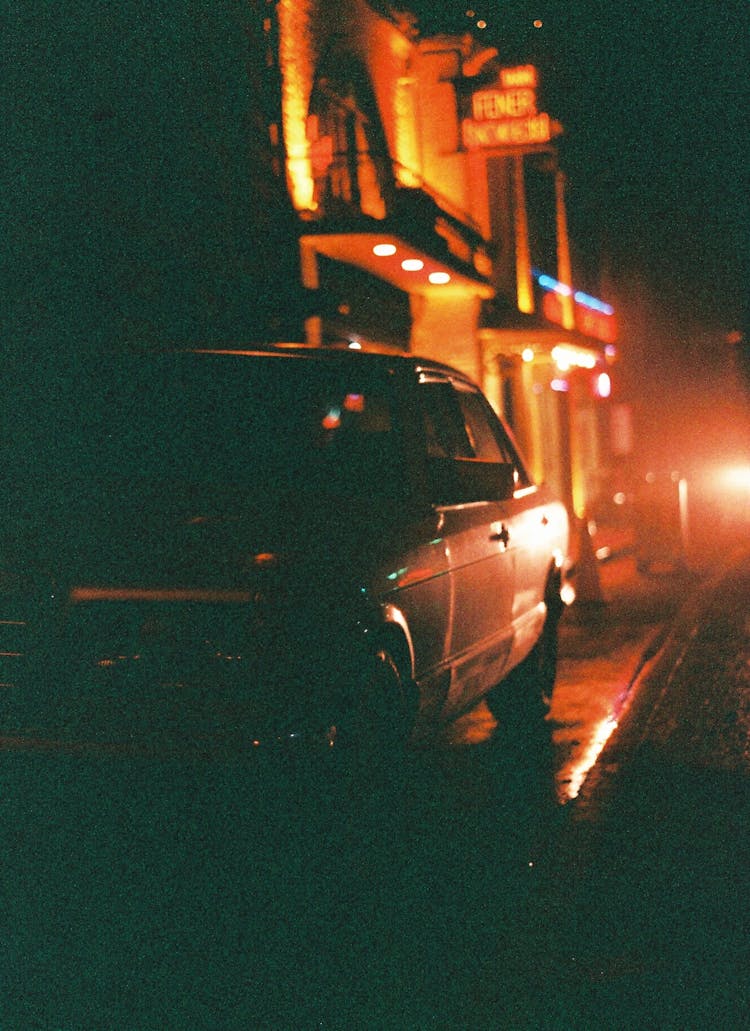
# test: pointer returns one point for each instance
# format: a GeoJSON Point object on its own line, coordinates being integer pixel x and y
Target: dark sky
{"type": "Point", "coordinates": [654, 99]}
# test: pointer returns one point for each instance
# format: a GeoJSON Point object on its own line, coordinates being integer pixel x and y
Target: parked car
{"type": "Point", "coordinates": [216, 549]}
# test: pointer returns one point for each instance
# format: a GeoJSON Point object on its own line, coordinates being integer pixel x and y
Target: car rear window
{"type": "Point", "coordinates": [262, 423]}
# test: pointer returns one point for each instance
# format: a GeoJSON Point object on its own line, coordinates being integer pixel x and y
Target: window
{"type": "Point", "coordinates": [460, 424]}
{"type": "Point", "coordinates": [347, 146]}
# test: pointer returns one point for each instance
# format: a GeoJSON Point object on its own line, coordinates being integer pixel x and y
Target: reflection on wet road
{"type": "Point", "coordinates": [586, 705]}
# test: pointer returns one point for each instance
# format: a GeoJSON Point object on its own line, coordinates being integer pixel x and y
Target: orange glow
{"type": "Point", "coordinates": [524, 75]}
{"type": "Point", "coordinates": [415, 576]}
{"type": "Point", "coordinates": [510, 132]}
{"type": "Point", "coordinates": [735, 477]}
{"type": "Point", "coordinates": [495, 104]}
{"type": "Point", "coordinates": [524, 297]}
{"type": "Point", "coordinates": [566, 356]}
{"type": "Point", "coordinates": [406, 576]}
{"type": "Point", "coordinates": [405, 139]}
{"type": "Point", "coordinates": [552, 307]}
{"type": "Point", "coordinates": [578, 771]}
{"type": "Point", "coordinates": [265, 559]}
{"type": "Point", "coordinates": [332, 420]}
{"type": "Point", "coordinates": [321, 151]}
{"type": "Point", "coordinates": [508, 116]}
{"type": "Point", "coordinates": [474, 728]}
{"type": "Point", "coordinates": [296, 85]}
{"type": "Point", "coordinates": [354, 403]}
{"type": "Point", "coordinates": [594, 324]}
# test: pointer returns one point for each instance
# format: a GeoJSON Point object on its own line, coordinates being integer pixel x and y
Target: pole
{"type": "Point", "coordinates": [564, 271]}
{"type": "Point", "coordinates": [524, 289]}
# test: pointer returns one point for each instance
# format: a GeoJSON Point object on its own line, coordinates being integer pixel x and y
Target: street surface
{"type": "Point", "coordinates": [489, 886]}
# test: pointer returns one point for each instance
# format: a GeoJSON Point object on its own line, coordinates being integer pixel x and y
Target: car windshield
{"type": "Point", "coordinates": [261, 423]}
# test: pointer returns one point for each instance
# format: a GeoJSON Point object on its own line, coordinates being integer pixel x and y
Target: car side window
{"type": "Point", "coordinates": [485, 441]}
{"type": "Point", "coordinates": [443, 422]}
{"type": "Point", "coordinates": [460, 423]}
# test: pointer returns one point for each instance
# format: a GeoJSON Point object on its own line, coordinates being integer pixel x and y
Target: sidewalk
{"type": "Point", "coordinates": [600, 647]}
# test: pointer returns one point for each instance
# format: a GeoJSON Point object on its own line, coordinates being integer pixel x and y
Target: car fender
{"type": "Point", "coordinates": [392, 616]}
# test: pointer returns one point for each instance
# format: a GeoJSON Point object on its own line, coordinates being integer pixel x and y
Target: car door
{"type": "Point", "coordinates": [461, 429]}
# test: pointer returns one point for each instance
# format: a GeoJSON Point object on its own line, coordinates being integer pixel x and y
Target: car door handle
{"type": "Point", "coordinates": [502, 535]}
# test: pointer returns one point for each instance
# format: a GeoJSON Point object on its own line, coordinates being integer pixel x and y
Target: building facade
{"type": "Point", "coordinates": [406, 162]}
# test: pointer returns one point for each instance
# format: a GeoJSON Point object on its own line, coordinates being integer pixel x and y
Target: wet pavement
{"type": "Point", "coordinates": [601, 647]}
{"type": "Point", "coordinates": [652, 928]}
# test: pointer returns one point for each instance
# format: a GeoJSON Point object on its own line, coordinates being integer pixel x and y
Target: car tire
{"type": "Point", "coordinates": [375, 730]}
{"type": "Point", "coordinates": [523, 698]}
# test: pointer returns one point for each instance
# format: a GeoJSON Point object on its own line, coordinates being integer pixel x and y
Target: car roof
{"type": "Point", "coordinates": [344, 356]}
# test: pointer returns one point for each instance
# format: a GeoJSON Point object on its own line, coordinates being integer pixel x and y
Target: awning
{"type": "Point", "coordinates": [419, 247]}
{"type": "Point", "coordinates": [405, 266]}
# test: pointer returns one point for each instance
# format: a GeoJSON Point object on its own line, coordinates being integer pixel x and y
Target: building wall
{"type": "Point", "coordinates": [413, 86]}
{"type": "Point", "coordinates": [444, 328]}
{"type": "Point", "coordinates": [417, 117]}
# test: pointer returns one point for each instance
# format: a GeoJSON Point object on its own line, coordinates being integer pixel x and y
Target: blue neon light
{"type": "Point", "coordinates": [586, 300]}
{"type": "Point", "coordinates": [593, 302]}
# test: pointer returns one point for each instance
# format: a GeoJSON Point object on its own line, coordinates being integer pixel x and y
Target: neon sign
{"type": "Point", "coordinates": [524, 75]}
{"type": "Point", "coordinates": [494, 104]}
{"type": "Point", "coordinates": [506, 115]}
{"type": "Point", "coordinates": [511, 132]}
{"type": "Point", "coordinates": [593, 318]}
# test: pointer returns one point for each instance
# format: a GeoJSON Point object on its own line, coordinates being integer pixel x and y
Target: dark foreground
{"type": "Point", "coordinates": [460, 894]}
{"type": "Point", "coordinates": [194, 899]}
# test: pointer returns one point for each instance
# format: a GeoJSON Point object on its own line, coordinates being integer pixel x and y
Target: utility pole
{"type": "Point", "coordinates": [524, 286]}
{"type": "Point", "coordinates": [564, 271]}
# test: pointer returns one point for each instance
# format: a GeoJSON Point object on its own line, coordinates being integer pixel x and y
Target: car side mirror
{"type": "Point", "coordinates": [459, 481]}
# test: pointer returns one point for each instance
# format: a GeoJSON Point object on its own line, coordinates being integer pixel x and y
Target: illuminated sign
{"type": "Point", "coordinates": [592, 322]}
{"type": "Point", "coordinates": [494, 104]}
{"type": "Point", "coordinates": [525, 75]}
{"type": "Point", "coordinates": [506, 115]}
{"type": "Point", "coordinates": [511, 132]}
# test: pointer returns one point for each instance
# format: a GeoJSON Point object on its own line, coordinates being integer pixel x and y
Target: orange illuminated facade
{"type": "Point", "coordinates": [405, 161]}
{"type": "Point", "coordinates": [333, 178]}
